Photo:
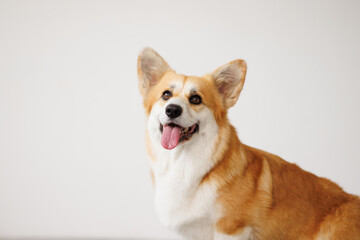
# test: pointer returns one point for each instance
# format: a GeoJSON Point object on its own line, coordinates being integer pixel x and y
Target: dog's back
{"type": "Point", "coordinates": [281, 201]}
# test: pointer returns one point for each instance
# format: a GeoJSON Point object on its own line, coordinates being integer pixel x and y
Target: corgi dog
{"type": "Point", "coordinates": [211, 186]}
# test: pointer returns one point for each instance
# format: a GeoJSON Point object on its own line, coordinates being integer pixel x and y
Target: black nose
{"type": "Point", "coordinates": [173, 111]}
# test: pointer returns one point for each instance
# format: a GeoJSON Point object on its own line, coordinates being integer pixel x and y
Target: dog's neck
{"type": "Point", "coordinates": [230, 156]}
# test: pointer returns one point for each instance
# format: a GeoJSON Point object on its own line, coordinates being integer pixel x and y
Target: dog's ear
{"type": "Point", "coordinates": [229, 80]}
{"type": "Point", "coordinates": [151, 67]}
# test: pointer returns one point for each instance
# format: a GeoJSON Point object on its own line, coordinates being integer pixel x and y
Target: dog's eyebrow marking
{"type": "Point", "coordinates": [175, 85]}
{"type": "Point", "coordinates": [191, 88]}
{"type": "Point", "coordinates": [193, 91]}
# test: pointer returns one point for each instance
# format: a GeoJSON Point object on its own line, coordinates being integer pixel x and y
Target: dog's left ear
{"type": "Point", "coordinates": [229, 80]}
{"type": "Point", "coordinates": [151, 67]}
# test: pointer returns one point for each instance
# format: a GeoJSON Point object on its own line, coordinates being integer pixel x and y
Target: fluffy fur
{"type": "Point", "coordinates": [212, 186]}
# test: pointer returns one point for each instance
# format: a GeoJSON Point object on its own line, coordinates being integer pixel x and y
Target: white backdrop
{"type": "Point", "coordinates": [72, 154]}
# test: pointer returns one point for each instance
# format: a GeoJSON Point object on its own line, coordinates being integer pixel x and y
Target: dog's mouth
{"type": "Point", "coordinates": [173, 134]}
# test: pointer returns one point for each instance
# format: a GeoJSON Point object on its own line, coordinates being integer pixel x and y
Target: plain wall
{"type": "Point", "coordinates": [72, 152]}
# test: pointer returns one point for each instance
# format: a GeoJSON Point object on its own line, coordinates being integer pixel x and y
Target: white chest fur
{"type": "Point", "coordinates": [179, 198]}
{"type": "Point", "coordinates": [185, 205]}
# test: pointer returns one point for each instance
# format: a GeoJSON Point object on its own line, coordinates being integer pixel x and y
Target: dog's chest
{"type": "Point", "coordinates": [180, 200]}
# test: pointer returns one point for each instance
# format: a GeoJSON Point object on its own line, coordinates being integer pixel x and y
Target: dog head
{"type": "Point", "coordinates": [182, 108]}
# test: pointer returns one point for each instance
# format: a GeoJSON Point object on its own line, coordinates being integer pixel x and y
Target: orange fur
{"type": "Point", "coordinates": [278, 199]}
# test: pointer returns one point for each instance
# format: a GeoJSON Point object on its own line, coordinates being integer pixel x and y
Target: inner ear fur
{"type": "Point", "coordinates": [229, 79]}
{"type": "Point", "coordinates": [151, 67]}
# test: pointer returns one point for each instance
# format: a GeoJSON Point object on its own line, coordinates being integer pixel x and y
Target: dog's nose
{"type": "Point", "coordinates": [173, 110]}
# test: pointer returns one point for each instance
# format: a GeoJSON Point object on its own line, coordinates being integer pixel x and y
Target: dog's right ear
{"type": "Point", "coordinates": [151, 67]}
{"type": "Point", "coordinates": [229, 80]}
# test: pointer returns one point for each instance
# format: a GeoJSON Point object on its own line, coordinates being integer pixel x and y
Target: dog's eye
{"type": "Point", "coordinates": [166, 95]}
{"type": "Point", "coordinates": [195, 99]}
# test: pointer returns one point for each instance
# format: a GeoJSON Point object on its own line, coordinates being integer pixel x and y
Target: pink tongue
{"type": "Point", "coordinates": [170, 137]}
